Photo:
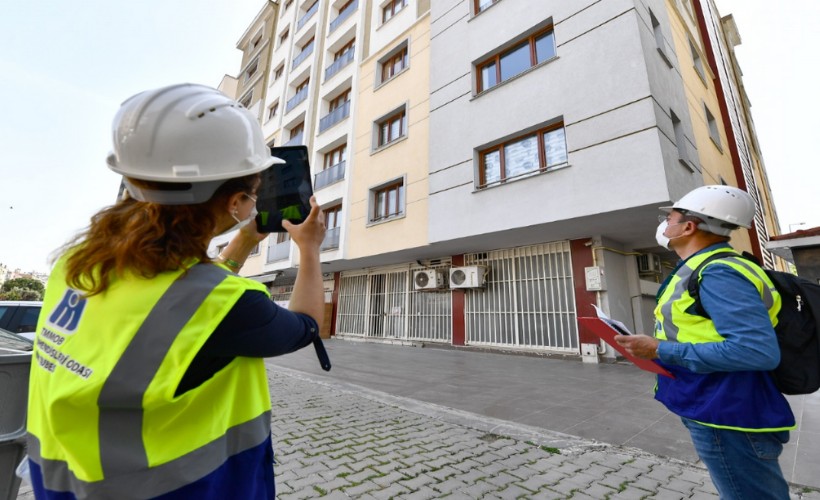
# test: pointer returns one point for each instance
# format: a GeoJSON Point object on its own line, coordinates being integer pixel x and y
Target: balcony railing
{"type": "Point", "coordinates": [340, 63]}
{"type": "Point", "coordinates": [296, 99]}
{"type": "Point", "coordinates": [331, 240]}
{"type": "Point", "coordinates": [329, 176]}
{"type": "Point", "coordinates": [306, 51]}
{"type": "Point", "coordinates": [344, 14]}
{"type": "Point", "coordinates": [279, 251]}
{"type": "Point", "coordinates": [304, 19]}
{"type": "Point", "coordinates": [334, 116]}
{"type": "Point", "coordinates": [295, 140]}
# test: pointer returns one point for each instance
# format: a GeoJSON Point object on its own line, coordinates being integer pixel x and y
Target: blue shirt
{"type": "Point", "coordinates": [740, 317]}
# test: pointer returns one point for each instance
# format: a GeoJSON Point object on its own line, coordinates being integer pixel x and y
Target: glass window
{"type": "Point", "coordinates": [488, 76]}
{"type": "Point", "coordinates": [555, 146]}
{"type": "Point", "coordinates": [521, 157]}
{"type": "Point", "coordinates": [545, 47]}
{"type": "Point", "coordinates": [515, 61]}
{"type": "Point", "coordinates": [492, 167]}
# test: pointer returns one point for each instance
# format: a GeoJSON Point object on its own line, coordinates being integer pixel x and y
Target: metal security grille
{"type": "Point", "coordinates": [385, 305]}
{"type": "Point", "coordinates": [528, 300]}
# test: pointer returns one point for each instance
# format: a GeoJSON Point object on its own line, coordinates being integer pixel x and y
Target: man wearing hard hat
{"type": "Point", "coordinates": [722, 390]}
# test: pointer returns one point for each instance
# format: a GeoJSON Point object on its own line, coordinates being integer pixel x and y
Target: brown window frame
{"type": "Point", "coordinates": [401, 117]}
{"type": "Point", "coordinates": [387, 66]}
{"type": "Point", "coordinates": [477, 6]}
{"type": "Point", "coordinates": [283, 37]}
{"type": "Point", "coordinates": [278, 72]}
{"type": "Point", "coordinates": [272, 110]}
{"type": "Point", "coordinates": [298, 129]}
{"type": "Point", "coordinates": [342, 51]}
{"type": "Point", "coordinates": [391, 8]}
{"type": "Point", "coordinates": [393, 186]}
{"type": "Point", "coordinates": [542, 154]}
{"type": "Point", "coordinates": [337, 210]}
{"type": "Point", "coordinates": [341, 151]}
{"type": "Point", "coordinates": [339, 100]}
{"type": "Point", "coordinates": [302, 85]}
{"type": "Point", "coordinates": [496, 59]}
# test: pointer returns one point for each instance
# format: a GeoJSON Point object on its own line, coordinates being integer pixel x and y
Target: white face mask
{"type": "Point", "coordinates": [661, 238]}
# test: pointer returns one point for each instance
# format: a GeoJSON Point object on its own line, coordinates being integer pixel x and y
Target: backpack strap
{"type": "Point", "coordinates": [693, 286]}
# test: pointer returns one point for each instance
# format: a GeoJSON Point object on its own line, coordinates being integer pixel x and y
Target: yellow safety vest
{"type": "Point", "coordinates": [102, 414]}
{"type": "Point", "coordinates": [740, 400]}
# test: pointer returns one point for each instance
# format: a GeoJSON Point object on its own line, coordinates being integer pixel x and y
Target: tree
{"type": "Point", "coordinates": [22, 289]}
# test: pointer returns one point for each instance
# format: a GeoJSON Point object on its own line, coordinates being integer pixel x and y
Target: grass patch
{"type": "Point", "coordinates": [321, 491]}
{"type": "Point", "coordinates": [550, 449]}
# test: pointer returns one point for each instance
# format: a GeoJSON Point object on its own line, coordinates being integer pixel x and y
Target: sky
{"type": "Point", "coordinates": [67, 66]}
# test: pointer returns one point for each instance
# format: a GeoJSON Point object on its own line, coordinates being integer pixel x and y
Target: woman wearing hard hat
{"type": "Point", "coordinates": [148, 378]}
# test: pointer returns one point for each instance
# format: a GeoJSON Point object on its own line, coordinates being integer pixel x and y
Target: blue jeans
{"type": "Point", "coordinates": [743, 465]}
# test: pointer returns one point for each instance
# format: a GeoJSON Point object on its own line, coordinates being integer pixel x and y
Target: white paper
{"type": "Point", "coordinates": [614, 323]}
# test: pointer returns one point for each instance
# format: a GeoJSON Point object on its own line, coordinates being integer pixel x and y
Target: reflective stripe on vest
{"type": "Point", "coordinates": [122, 449]}
{"type": "Point", "coordinates": [680, 300]}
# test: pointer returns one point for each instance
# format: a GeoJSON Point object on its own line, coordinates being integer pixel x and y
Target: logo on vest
{"type": "Point", "coordinates": [66, 316]}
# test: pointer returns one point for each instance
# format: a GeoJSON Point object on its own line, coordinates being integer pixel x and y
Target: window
{"type": "Point", "coordinates": [480, 5]}
{"type": "Point", "coordinates": [272, 109]}
{"type": "Point", "coordinates": [343, 98]}
{"type": "Point", "coordinates": [713, 127]}
{"type": "Point", "coordinates": [282, 237]}
{"type": "Point", "coordinates": [530, 52]}
{"type": "Point", "coordinates": [256, 41]}
{"type": "Point", "coordinates": [392, 8]}
{"type": "Point", "coordinates": [255, 250]}
{"type": "Point", "coordinates": [343, 51]}
{"type": "Point", "coordinates": [284, 36]}
{"type": "Point", "coordinates": [279, 71]}
{"type": "Point", "coordinates": [697, 62]}
{"type": "Point", "coordinates": [251, 70]}
{"type": "Point", "coordinates": [335, 157]}
{"type": "Point", "coordinates": [680, 138]}
{"type": "Point", "coordinates": [287, 4]}
{"type": "Point", "coordinates": [392, 128]}
{"type": "Point", "coordinates": [333, 217]}
{"type": "Point", "coordinates": [388, 201]}
{"type": "Point", "coordinates": [297, 130]}
{"type": "Point", "coordinates": [246, 101]}
{"type": "Point", "coordinates": [394, 64]}
{"type": "Point", "coordinates": [540, 151]}
{"type": "Point", "coordinates": [302, 86]}
{"type": "Point", "coordinates": [659, 41]}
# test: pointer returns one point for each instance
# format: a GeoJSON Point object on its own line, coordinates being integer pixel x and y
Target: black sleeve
{"type": "Point", "coordinates": [255, 327]}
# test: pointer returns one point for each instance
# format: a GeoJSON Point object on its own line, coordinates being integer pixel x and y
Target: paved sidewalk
{"type": "Point", "coordinates": [336, 440]}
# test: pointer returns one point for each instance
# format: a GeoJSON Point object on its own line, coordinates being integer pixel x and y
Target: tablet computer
{"type": "Point", "coordinates": [285, 190]}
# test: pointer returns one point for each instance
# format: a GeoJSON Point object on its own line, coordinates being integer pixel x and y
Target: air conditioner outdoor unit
{"type": "Point", "coordinates": [649, 263]}
{"type": "Point", "coordinates": [467, 276]}
{"type": "Point", "coordinates": [428, 279]}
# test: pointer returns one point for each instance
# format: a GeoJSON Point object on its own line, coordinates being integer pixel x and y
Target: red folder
{"type": "Point", "coordinates": [607, 333]}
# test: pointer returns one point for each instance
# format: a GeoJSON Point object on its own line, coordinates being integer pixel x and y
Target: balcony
{"type": "Point", "coordinates": [296, 99]}
{"type": "Point", "coordinates": [342, 16]}
{"type": "Point", "coordinates": [329, 176]}
{"type": "Point", "coordinates": [306, 51]}
{"type": "Point", "coordinates": [334, 116]}
{"type": "Point", "coordinates": [340, 63]}
{"type": "Point", "coordinates": [304, 19]}
{"type": "Point", "coordinates": [279, 251]}
{"type": "Point", "coordinates": [295, 140]}
{"type": "Point", "coordinates": [331, 241]}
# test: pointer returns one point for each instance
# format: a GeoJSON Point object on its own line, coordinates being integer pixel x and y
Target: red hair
{"type": "Point", "coordinates": [145, 238]}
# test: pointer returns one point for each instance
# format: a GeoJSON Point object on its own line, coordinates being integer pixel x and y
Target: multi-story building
{"type": "Point", "coordinates": [490, 169]}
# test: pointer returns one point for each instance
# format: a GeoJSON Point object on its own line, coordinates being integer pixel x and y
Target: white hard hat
{"type": "Point", "coordinates": [187, 134]}
{"type": "Point", "coordinates": [722, 208]}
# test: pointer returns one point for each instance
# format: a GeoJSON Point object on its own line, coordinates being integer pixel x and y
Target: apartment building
{"type": "Point", "coordinates": [492, 169]}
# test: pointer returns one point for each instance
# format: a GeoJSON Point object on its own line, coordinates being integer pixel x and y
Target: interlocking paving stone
{"type": "Point", "coordinates": [337, 441]}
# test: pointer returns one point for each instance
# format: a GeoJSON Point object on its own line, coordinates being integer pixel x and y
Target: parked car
{"type": "Point", "coordinates": [20, 317]}
{"type": "Point", "coordinates": [14, 341]}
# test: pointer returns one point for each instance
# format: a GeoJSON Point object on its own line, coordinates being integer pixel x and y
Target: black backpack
{"type": "Point", "coordinates": [797, 326]}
